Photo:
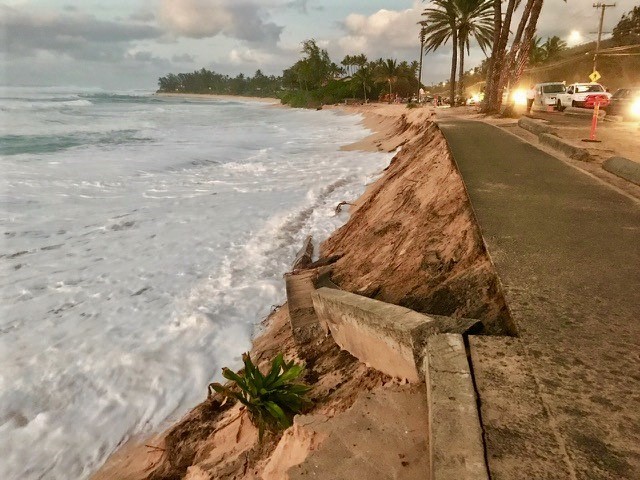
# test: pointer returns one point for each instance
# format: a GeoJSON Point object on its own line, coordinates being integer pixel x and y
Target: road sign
{"type": "Point", "coordinates": [595, 76]}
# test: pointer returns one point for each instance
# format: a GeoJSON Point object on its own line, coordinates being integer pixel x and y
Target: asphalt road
{"type": "Point", "coordinates": [567, 250]}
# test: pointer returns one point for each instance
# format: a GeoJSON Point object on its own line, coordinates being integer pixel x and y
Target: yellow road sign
{"type": "Point", "coordinates": [595, 76]}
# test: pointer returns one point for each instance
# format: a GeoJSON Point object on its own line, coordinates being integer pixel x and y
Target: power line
{"type": "Point", "coordinates": [603, 7]}
{"type": "Point", "coordinates": [605, 52]}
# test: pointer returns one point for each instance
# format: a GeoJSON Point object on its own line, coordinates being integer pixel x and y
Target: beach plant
{"type": "Point", "coordinates": [272, 399]}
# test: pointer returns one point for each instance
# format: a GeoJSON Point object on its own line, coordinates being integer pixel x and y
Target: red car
{"type": "Point", "coordinates": [592, 99]}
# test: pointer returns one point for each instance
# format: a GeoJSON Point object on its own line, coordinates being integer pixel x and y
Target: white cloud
{"type": "Point", "coordinates": [384, 29]}
{"type": "Point", "coordinates": [195, 18]}
{"type": "Point", "coordinates": [183, 58]}
{"type": "Point", "coordinates": [244, 20]}
{"type": "Point", "coordinates": [249, 56]}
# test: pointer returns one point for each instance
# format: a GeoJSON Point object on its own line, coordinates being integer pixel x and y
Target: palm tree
{"type": "Point", "coordinates": [388, 71]}
{"type": "Point", "coordinates": [475, 20]}
{"type": "Point", "coordinates": [363, 77]}
{"type": "Point", "coordinates": [360, 60]}
{"type": "Point", "coordinates": [537, 52]}
{"type": "Point", "coordinates": [422, 37]}
{"type": "Point", "coordinates": [441, 26]}
{"type": "Point", "coordinates": [552, 47]}
{"type": "Point", "coordinates": [347, 63]}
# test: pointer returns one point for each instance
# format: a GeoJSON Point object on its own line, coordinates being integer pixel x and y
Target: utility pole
{"type": "Point", "coordinates": [603, 7]}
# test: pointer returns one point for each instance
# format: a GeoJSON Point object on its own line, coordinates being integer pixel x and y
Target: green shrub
{"type": "Point", "coordinates": [271, 400]}
{"type": "Point", "coordinates": [412, 105]}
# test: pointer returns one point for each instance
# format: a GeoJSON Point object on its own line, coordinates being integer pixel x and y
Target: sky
{"type": "Point", "coordinates": [128, 44]}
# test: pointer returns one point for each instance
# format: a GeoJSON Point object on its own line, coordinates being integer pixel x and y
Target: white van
{"type": "Point", "coordinates": [547, 94]}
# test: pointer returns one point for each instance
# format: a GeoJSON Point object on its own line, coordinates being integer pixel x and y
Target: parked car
{"type": "Point", "coordinates": [626, 103]}
{"type": "Point", "coordinates": [547, 94]}
{"type": "Point", "coordinates": [583, 95]}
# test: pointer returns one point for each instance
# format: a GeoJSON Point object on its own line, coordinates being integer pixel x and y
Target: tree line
{"type": "Point", "coordinates": [313, 80]}
{"type": "Point", "coordinates": [505, 30]}
{"type": "Point", "coordinates": [206, 81]}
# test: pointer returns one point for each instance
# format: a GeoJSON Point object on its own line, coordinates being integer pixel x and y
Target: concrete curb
{"type": "Point", "coordinates": [623, 168]}
{"type": "Point", "coordinates": [583, 112]}
{"type": "Point", "coordinates": [572, 151]}
{"type": "Point", "coordinates": [614, 118]}
{"type": "Point", "coordinates": [455, 435]}
{"type": "Point", "coordinates": [535, 126]}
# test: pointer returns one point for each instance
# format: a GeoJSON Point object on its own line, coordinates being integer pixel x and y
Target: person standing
{"type": "Point", "coordinates": [531, 96]}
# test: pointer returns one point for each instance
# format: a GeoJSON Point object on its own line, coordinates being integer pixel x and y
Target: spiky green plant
{"type": "Point", "coordinates": [271, 400]}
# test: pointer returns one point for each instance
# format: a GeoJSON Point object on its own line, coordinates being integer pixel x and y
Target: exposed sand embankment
{"type": "Point", "coordinates": [412, 240]}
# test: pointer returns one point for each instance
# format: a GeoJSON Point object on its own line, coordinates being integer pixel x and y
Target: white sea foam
{"type": "Point", "coordinates": [132, 270]}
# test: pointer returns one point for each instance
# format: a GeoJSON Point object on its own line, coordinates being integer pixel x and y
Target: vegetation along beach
{"type": "Point", "coordinates": [287, 240]}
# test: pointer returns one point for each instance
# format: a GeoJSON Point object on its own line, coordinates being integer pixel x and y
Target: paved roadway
{"type": "Point", "coordinates": [567, 250]}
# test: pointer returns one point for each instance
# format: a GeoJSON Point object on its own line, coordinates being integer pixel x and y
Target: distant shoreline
{"type": "Point", "coordinates": [207, 96]}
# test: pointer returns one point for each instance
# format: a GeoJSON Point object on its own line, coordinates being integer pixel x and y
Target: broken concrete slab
{"type": "Point", "coordinates": [564, 146]}
{"type": "Point", "coordinates": [623, 168]}
{"type": "Point", "coordinates": [302, 316]}
{"type": "Point", "coordinates": [521, 439]}
{"type": "Point", "coordinates": [455, 434]}
{"type": "Point", "coordinates": [379, 334]}
{"type": "Point", "coordinates": [384, 436]}
{"type": "Point", "coordinates": [385, 336]}
{"type": "Point", "coordinates": [536, 126]}
{"type": "Point", "coordinates": [304, 257]}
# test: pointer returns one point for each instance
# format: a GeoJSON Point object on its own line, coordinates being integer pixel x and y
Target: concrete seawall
{"type": "Point", "coordinates": [379, 334]}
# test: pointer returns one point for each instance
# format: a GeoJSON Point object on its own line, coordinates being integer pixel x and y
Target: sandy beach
{"type": "Point", "coordinates": [208, 96]}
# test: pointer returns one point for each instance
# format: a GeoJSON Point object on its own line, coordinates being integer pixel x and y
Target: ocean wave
{"type": "Point", "coordinates": [120, 98]}
{"type": "Point", "coordinates": [42, 144]}
{"type": "Point", "coordinates": [52, 104]}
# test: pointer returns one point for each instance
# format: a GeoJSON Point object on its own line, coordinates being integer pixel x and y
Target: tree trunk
{"type": "Point", "coordinates": [454, 64]}
{"type": "Point", "coordinates": [510, 59]}
{"type": "Point", "coordinates": [364, 88]}
{"type": "Point", "coordinates": [523, 57]}
{"type": "Point", "coordinates": [420, 68]}
{"type": "Point", "coordinates": [493, 89]}
{"type": "Point", "coordinates": [461, 69]}
{"type": "Point", "coordinates": [497, 28]}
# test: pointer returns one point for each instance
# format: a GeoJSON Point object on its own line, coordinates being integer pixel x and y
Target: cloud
{"type": "Point", "coordinates": [303, 6]}
{"type": "Point", "coordinates": [144, 56]}
{"type": "Point", "coordinates": [243, 20]}
{"type": "Point", "coordinates": [142, 16]}
{"type": "Point", "coordinates": [184, 58]}
{"type": "Point", "coordinates": [383, 30]}
{"type": "Point", "coordinates": [249, 56]}
{"type": "Point", "coordinates": [77, 35]}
